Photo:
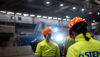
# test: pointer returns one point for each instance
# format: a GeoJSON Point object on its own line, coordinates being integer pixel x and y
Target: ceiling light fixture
{"type": "Point", "coordinates": [93, 20]}
{"type": "Point", "coordinates": [49, 17]}
{"type": "Point", "coordinates": [82, 9]}
{"type": "Point", "coordinates": [39, 16]}
{"type": "Point", "coordinates": [10, 12]}
{"type": "Point", "coordinates": [44, 16]}
{"type": "Point", "coordinates": [26, 14]}
{"type": "Point", "coordinates": [18, 13]}
{"type": "Point", "coordinates": [59, 18]}
{"type": "Point", "coordinates": [67, 17]}
{"type": "Point", "coordinates": [83, 19]}
{"type": "Point", "coordinates": [74, 8]}
{"type": "Point", "coordinates": [98, 13]}
{"type": "Point", "coordinates": [3, 11]}
{"type": "Point", "coordinates": [32, 15]}
{"type": "Point", "coordinates": [64, 19]}
{"type": "Point", "coordinates": [48, 2]}
{"type": "Point", "coordinates": [55, 18]}
{"type": "Point", "coordinates": [61, 5]}
{"type": "Point", "coordinates": [90, 13]}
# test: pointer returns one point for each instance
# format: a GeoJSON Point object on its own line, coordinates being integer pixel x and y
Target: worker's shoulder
{"type": "Point", "coordinates": [96, 42]}
{"type": "Point", "coordinates": [78, 45]}
{"type": "Point", "coordinates": [41, 43]}
{"type": "Point", "coordinates": [75, 45]}
{"type": "Point", "coordinates": [55, 44]}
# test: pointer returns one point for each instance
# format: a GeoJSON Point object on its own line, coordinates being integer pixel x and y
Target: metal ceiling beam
{"type": "Point", "coordinates": [65, 7]}
{"type": "Point", "coordinates": [53, 9]}
{"type": "Point", "coordinates": [82, 3]}
{"type": "Point", "coordinates": [34, 6]}
{"type": "Point", "coordinates": [95, 9]}
{"type": "Point", "coordinates": [7, 3]}
{"type": "Point", "coordinates": [17, 3]}
{"type": "Point", "coordinates": [89, 6]}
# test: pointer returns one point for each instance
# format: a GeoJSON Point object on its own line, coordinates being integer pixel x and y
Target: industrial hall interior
{"type": "Point", "coordinates": [49, 28]}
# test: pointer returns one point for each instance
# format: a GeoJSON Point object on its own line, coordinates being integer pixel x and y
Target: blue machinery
{"type": "Point", "coordinates": [37, 32]}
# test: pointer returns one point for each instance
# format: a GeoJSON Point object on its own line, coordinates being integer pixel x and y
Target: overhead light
{"type": "Point", "coordinates": [48, 2]}
{"type": "Point", "coordinates": [90, 13]}
{"type": "Point", "coordinates": [44, 16]}
{"type": "Point", "coordinates": [3, 11]}
{"type": "Point", "coordinates": [93, 20]}
{"type": "Point", "coordinates": [64, 19]}
{"type": "Point", "coordinates": [55, 18]}
{"type": "Point", "coordinates": [59, 18]}
{"type": "Point", "coordinates": [61, 5]}
{"type": "Point", "coordinates": [98, 13]}
{"type": "Point", "coordinates": [68, 19]}
{"type": "Point", "coordinates": [32, 15]}
{"type": "Point", "coordinates": [71, 20]}
{"type": "Point", "coordinates": [94, 23]}
{"type": "Point", "coordinates": [83, 19]}
{"type": "Point", "coordinates": [39, 16]}
{"type": "Point", "coordinates": [74, 8]}
{"type": "Point", "coordinates": [10, 12]}
{"type": "Point", "coordinates": [82, 9]}
{"type": "Point", "coordinates": [26, 14]}
{"type": "Point", "coordinates": [18, 13]}
{"type": "Point", "coordinates": [49, 17]}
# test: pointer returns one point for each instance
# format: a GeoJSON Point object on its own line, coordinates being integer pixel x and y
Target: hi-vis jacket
{"type": "Point", "coordinates": [83, 48]}
{"type": "Point", "coordinates": [45, 49]}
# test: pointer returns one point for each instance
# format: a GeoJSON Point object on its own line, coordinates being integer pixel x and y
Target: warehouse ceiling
{"type": "Point", "coordinates": [60, 8]}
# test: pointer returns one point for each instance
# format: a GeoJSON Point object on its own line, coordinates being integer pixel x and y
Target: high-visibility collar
{"type": "Point", "coordinates": [81, 37]}
{"type": "Point", "coordinates": [46, 41]}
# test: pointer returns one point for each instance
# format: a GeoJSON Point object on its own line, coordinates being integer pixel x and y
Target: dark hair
{"type": "Point", "coordinates": [80, 27]}
{"type": "Point", "coordinates": [45, 36]}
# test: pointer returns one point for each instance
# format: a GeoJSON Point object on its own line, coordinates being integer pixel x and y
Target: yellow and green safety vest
{"type": "Point", "coordinates": [47, 49]}
{"type": "Point", "coordinates": [83, 48]}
